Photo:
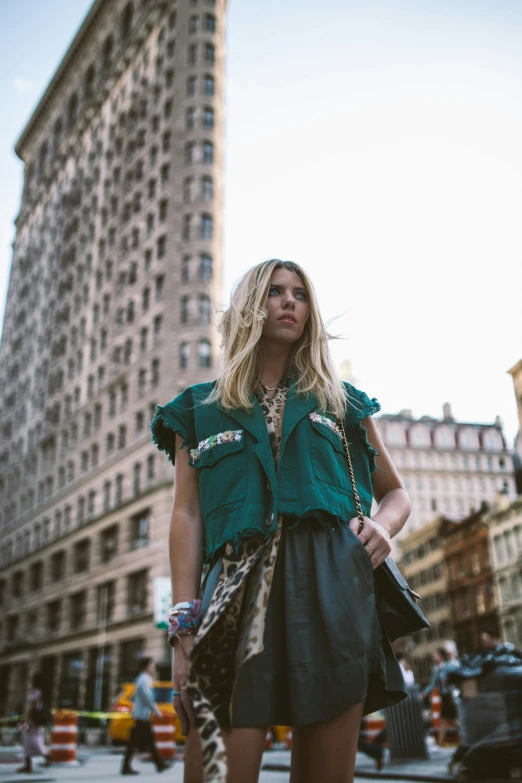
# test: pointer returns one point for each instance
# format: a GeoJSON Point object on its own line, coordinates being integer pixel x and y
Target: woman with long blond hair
{"type": "Point", "coordinates": [284, 628]}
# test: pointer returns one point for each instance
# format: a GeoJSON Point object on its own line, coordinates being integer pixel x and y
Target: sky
{"type": "Point", "coordinates": [376, 143]}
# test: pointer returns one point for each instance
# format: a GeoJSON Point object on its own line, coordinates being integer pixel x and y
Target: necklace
{"type": "Point", "coordinates": [271, 388]}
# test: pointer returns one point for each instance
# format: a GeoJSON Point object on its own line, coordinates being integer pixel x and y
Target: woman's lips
{"type": "Point", "coordinates": [287, 319]}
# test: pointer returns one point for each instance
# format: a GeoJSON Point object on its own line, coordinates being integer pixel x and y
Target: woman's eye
{"type": "Point", "coordinates": [302, 296]}
{"type": "Point", "coordinates": [273, 291]}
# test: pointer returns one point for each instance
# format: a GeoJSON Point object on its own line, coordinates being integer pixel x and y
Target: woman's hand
{"type": "Point", "coordinates": [375, 538]}
{"type": "Point", "coordinates": [180, 669]}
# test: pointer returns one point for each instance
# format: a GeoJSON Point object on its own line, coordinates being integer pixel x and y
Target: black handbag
{"type": "Point", "coordinates": [396, 601]}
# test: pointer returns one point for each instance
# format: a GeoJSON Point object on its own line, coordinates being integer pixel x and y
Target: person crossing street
{"type": "Point", "coordinates": [141, 736]}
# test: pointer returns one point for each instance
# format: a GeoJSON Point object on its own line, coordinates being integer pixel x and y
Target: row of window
{"type": "Point", "coordinates": [53, 617]}
{"type": "Point", "coordinates": [442, 436]}
{"type": "Point", "coordinates": [508, 545]}
{"type": "Point", "coordinates": [445, 461]}
{"type": "Point", "coordinates": [80, 556]}
{"type": "Point", "coordinates": [426, 576]}
{"type": "Point", "coordinates": [454, 483]}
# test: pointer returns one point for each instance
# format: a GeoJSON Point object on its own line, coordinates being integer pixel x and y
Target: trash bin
{"type": "Point", "coordinates": [404, 720]}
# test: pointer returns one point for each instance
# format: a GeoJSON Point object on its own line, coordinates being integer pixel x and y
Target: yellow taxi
{"type": "Point", "coordinates": [120, 727]}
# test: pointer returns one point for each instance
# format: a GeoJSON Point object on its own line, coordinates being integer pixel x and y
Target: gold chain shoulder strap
{"type": "Point", "coordinates": [346, 447]}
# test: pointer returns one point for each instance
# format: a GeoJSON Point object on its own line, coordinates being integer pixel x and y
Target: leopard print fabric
{"type": "Point", "coordinates": [233, 627]}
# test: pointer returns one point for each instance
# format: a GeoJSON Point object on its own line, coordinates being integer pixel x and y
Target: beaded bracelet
{"type": "Point", "coordinates": [184, 619]}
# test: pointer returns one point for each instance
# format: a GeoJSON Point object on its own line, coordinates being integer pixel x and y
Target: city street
{"type": "Point", "coordinates": [103, 765]}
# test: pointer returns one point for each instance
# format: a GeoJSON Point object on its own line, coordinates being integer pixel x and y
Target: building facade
{"type": "Point", "coordinates": [505, 531]}
{"type": "Point", "coordinates": [470, 579]}
{"type": "Point", "coordinates": [116, 262]}
{"type": "Point", "coordinates": [424, 567]}
{"type": "Point", "coordinates": [448, 467]}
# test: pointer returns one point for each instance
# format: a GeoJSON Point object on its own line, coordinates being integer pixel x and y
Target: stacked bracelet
{"type": "Point", "coordinates": [184, 619]}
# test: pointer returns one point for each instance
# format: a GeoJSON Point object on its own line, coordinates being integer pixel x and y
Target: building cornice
{"type": "Point", "coordinates": [54, 85]}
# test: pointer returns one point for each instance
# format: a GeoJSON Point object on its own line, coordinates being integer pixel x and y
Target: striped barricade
{"type": "Point", "coordinates": [165, 736]}
{"type": "Point", "coordinates": [64, 738]}
{"type": "Point", "coordinates": [372, 725]}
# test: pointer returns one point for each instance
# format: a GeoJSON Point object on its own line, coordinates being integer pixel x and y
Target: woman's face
{"type": "Point", "coordinates": [287, 306]}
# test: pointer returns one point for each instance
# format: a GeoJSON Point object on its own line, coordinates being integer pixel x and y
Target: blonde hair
{"type": "Point", "coordinates": [241, 329]}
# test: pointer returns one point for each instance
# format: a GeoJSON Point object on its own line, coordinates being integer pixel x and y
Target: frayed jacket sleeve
{"type": "Point", "coordinates": [359, 407]}
{"type": "Point", "coordinates": [176, 417]}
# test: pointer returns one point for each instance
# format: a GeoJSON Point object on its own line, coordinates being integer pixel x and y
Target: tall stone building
{"type": "Point", "coordinates": [448, 467]}
{"type": "Point", "coordinates": [424, 567]}
{"type": "Point", "coordinates": [117, 258]}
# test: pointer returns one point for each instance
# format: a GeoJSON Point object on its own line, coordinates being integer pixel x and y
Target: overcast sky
{"type": "Point", "coordinates": [378, 144]}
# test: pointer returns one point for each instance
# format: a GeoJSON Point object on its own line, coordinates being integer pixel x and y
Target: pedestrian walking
{"type": "Point", "coordinates": [445, 660]}
{"type": "Point", "coordinates": [36, 716]}
{"type": "Point", "coordinates": [142, 736]}
{"type": "Point", "coordinates": [407, 671]}
{"type": "Point", "coordinates": [285, 630]}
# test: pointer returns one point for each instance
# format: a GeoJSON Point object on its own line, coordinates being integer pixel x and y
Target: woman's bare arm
{"type": "Point", "coordinates": [186, 534]}
{"type": "Point", "coordinates": [388, 489]}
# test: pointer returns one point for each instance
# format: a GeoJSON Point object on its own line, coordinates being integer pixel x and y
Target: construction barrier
{"type": "Point", "coordinates": [64, 738]}
{"type": "Point", "coordinates": [372, 725]}
{"type": "Point", "coordinates": [269, 739]}
{"type": "Point", "coordinates": [164, 736]}
{"type": "Point", "coordinates": [436, 707]}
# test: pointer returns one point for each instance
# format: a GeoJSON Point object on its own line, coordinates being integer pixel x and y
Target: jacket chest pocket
{"type": "Point", "coordinates": [222, 468]}
{"type": "Point", "coordinates": [326, 449]}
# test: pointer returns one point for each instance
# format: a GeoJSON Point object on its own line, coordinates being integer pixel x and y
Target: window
{"type": "Point", "coordinates": [206, 229]}
{"type": "Point", "coordinates": [187, 227]}
{"type": "Point", "coordinates": [154, 381]}
{"type": "Point", "coordinates": [17, 585]}
{"type": "Point", "coordinates": [106, 496]}
{"type": "Point", "coordinates": [136, 479]}
{"type": "Point", "coordinates": [109, 544]}
{"type": "Point", "coordinates": [210, 54]}
{"type": "Point", "coordinates": [139, 529]}
{"type": "Point", "coordinates": [118, 500]}
{"type": "Point", "coordinates": [163, 210]}
{"type": "Point", "coordinates": [192, 54]}
{"type": "Point", "coordinates": [193, 24]}
{"type": "Point", "coordinates": [57, 566]}
{"type": "Point", "coordinates": [208, 86]}
{"type": "Point", "coordinates": [78, 606]}
{"type": "Point", "coordinates": [145, 302]}
{"type": "Point", "coordinates": [190, 148]}
{"type": "Point", "coordinates": [164, 174]}
{"type": "Point", "coordinates": [165, 142]}
{"type": "Point", "coordinates": [122, 436]}
{"type": "Point", "coordinates": [185, 309]}
{"type": "Point", "coordinates": [205, 267]}
{"type": "Point", "coordinates": [142, 382]}
{"type": "Point", "coordinates": [159, 288]}
{"type": "Point", "coordinates": [94, 455]}
{"type": "Point", "coordinates": [204, 309]}
{"type": "Point", "coordinates": [184, 355]}
{"type": "Point", "coordinates": [137, 588]}
{"type": "Point", "coordinates": [36, 576]}
{"type": "Point", "coordinates": [207, 189]}
{"type": "Point", "coordinates": [110, 443]}
{"type": "Point", "coordinates": [150, 468]}
{"type": "Point", "coordinates": [54, 616]}
{"type": "Point", "coordinates": [190, 116]}
{"type": "Point", "coordinates": [105, 603]}
{"type": "Point", "coordinates": [161, 246]}
{"type": "Point", "coordinates": [187, 189]}
{"type": "Point", "coordinates": [192, 83]}
{"type": "Point", "coordinates": [157, 325]}
{"type": "Point", "coordinates": [143, 339]}
{"type": "Point", "coordinates": [208, 152]}
{"type": "Point", "coordinates": [124, 397]}
{"type": "Point", "coordinates": [204, 354]}
{"type": "Point", "coordinates": [97, 416]}
{"type": "Point", "coordinates": [82, 555]}
{"type": "Point", "coordinates": [91, 500]}
{"type": "Point", "coordinates": [140, 422]}
{"type": "Point", "coordinates": [185, 269]}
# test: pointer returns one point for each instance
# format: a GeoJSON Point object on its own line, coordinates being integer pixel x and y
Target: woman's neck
{"type": "Point", "coordinates": [273, 363]}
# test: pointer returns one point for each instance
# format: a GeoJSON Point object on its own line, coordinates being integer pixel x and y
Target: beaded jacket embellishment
{"type": "Point", "coordinates": [324, 420]}
{"type": "Point", "coordinates": [215, 440]}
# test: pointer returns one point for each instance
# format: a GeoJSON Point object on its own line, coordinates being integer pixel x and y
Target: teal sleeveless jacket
{"type": "Point", "coordinates": [241, 493]}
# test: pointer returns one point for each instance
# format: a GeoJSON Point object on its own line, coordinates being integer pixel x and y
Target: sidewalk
{"type": "Point", "coordinates": [433, 769]}
{"type": "Point", "coordinates": [104, 764]}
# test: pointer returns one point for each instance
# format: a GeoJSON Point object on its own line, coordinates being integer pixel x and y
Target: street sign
{"type": "Point", "coordinates": [162, 592]}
